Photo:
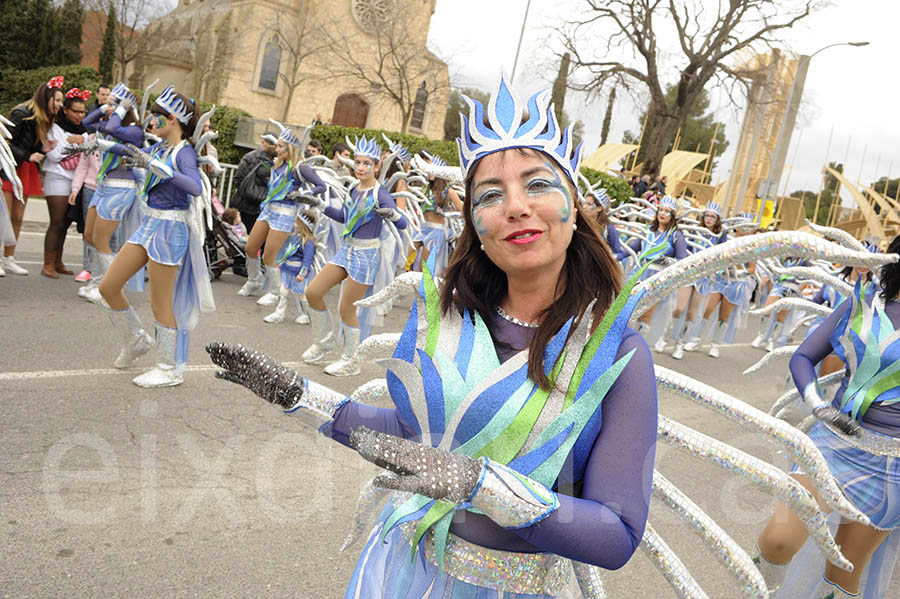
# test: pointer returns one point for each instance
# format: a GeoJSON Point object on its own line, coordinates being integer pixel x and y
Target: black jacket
{"type": "Point", "coordinates": [24, 140]}
{"type": "Point", "coordinates": [247, 198]}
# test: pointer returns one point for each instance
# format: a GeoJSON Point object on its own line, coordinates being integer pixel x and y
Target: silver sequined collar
{"type": "Point", "coordinates": [514, 320]}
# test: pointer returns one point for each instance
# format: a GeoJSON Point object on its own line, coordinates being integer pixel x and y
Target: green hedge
{"type": "Point", "coordinates": [328, 135]}
{"type": "Point", "coordinates": [618, 189]}
{"type": "Point", "coordinates": [224, 120]}
{"type": "Point", "coordinates": [17, 86]}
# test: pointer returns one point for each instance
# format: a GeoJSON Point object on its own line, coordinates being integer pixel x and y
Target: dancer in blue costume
{"type": "Point", "coordinates": [356, 264]}
{"type": "Point", "coordinates": [287, 181]}
{"type": "Point", "coordinates": [596, 203]}
{"type": "Point", "coordinates": [114, 201]}
{"type": "Point", "coordinates": [295, 262]}
{"type": "Point", "coordinates": [434, 237]}
{"type": "Point", "coordinates": [863, 332]}
{"type": "Point", "coordinates": [169, 242]}
{"type": "Point", "coordinates": [524, 426]}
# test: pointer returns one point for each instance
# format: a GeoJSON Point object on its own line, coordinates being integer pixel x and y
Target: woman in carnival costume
{"type": "Point", "coordinates": [434, 236]}
{"type": "Point", "coordinates": [113, 204]}
{"type": "Point", "coordinates": [31, 122]}
{"type": "Point", "coordinates": [58, 170]}
{"type": "Point", "coordinates": [287, 181]}
{"type": "Point", "coordinates": [295, 261]}
{"type": "Point", "coordinates": [778, 324]}
{"type": "Point", "coordinates": [357, 262]}
{"type": "Point", "coordinates": [664, 245]}
{"type": "Point", "coordinates": [596, 203]}
{"type": "Point", "coordinates": [169, 242]}
{"type": "Point", "coordinates": [864, 456]}
{"type": "Point", "coordinates": [529, 293]}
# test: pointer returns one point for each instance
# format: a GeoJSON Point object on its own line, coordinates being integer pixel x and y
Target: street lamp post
{"type": "Point", "coordinates": [512, 77]}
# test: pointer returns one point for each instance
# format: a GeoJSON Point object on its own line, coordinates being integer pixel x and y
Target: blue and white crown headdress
{"type": "Point", "coordinates": [398, 149]}
{"type": "Point", "coordinates": [601, 195]}
{"type": "Point", "coordinates": [437, 160]}
{"type": "Point", "coordinates": [306, 220]}
{"type": "Point", "coordinates": [713, 208]}
{"type": "Point", "coordinates": [669, 203]}
{"type": "Point", "coordinates": [288, 137]}
{"type": "Point", "coordinates": [171, 103]}
{"type": "Point", "coordinates": [505, 130]}
{"type": "Point", "coordinates": [747, 215]}
{"type": "Point", "coordinates": [121, 91]}
{"type": "Point", "coordinates": [362, 146]}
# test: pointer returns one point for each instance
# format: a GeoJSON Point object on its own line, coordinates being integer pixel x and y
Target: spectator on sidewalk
{"type": "Point", "coordinates": [642, 186]}
{"type": "Point", "coordinates": [252, 179]}
{"type": "Point", "coordinates": [340, 151]}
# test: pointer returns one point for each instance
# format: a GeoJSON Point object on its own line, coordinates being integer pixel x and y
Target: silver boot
{"type": "Point", "coordinates": [137, 341]}
{"type": "Point", "coordinates": [273, 285]}
{"type": "Point", "coordinates": [255, 280]}
{"type": "Point", "coordinates": [773, 574]}
{"type": "Point", "coordinates": [347, 365]}
{"type": "Point", "coordinates": [718, 335]}
{"type": "Point", "coordinates": [104, 261]}
{"type": "Point", "coordinates": [167, 372]}
{"type": "Point", "coordinates": [303, 318]}
{"type": "Point", "coordinates": [277, 316]}
{"type": "Point", "coordinates": [323, 333]}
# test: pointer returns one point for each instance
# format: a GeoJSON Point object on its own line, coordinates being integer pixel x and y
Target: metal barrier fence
{"type": "Point", "coordinates": [225, 183]}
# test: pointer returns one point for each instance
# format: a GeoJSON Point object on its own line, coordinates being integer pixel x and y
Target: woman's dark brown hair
{"type": "Point", "coordinates": [890, 274]}
{"type": "Point", "coordinates": [716, 228]}
{"type": "Point", "coordinates": [590, 272]}
{"type": "Point", "coordinates": [438, 186]}
{"type": "Point", "coordinates": [672, 223]}
{"type": "Point", "coordinates": [186, 130]}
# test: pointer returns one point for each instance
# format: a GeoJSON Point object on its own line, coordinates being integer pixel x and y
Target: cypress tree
{"type": "Point", "coordinates": [108, 49]}
{"type": "Point", "coordinates": [41, 31]}
{"type": "Point", "coordinates": [70, 24]}
{"type": "Point", "coordinates": [16, 26]}
{"type": "Point", "coordinates": [558, 95]}
{"type": "Point", "coordinates": [604, 132]}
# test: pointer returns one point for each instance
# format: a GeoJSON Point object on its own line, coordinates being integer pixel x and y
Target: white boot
{"type": "Point", "coordinates": [776, 332]}
{"type": "Point", "coordinates": [277, 317]}
{"type": "Point", "coordinates": [273, 285]}
{"type": "Point", "coordinates": [303, 318]}
{"type": "Point", "coordinates": [829, 590]}
{"type": "Point", "coordinates": [660, 345]}
{"type": "Point", "coordinates": [10, 266]}
{"type": "Point", "coordinates": [718, 336]}
{"type": "Point", "coordinates": [104, 261]}
{"type": "Point", "coordinates": [693, 344]}
{"type": "Point", "coordinates": [167, 372]}
{"type": "Point", "coordinates": [137, 341]}
{"type": "Point", "coordinates": [347, 365]}
{"type": "Point", "coordinates": [2, 272]}
{"type": "Point", "coordinates": [255, 278]}
{"type": "Point", "coordinates": [323, 333]}
{"type": "Point", "coordinates": [94, 269]}
{"type": "Point", "coordinates": [763, 337]}
{"type": "Point", "coordinates": [773, 574]}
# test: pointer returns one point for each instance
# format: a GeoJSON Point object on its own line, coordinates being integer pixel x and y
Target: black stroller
{"type": "Point", "coordinates": [224, 249]}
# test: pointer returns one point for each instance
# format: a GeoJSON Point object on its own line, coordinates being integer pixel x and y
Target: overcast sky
{"type": "Point", "coordinates": [853, 90]}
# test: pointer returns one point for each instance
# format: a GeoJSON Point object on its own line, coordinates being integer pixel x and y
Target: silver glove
{"type": "Point", "coordinates": [825, 412]}
{"type": "Point", "coordinates": [303, 198]}
{"type": "Point", "coordinates": [387, 213]}
{"type": "Point", "coordinates": [136, 158]}
{"type": "Point", "coordinates": [90, 146]}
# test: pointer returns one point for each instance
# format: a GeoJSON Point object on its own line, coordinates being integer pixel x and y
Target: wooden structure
{"type": "Point", "coordinates": [607, 155]}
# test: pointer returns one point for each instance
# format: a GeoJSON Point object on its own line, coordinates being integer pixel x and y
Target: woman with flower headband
{"type": "Point", "coordinates": [356, 263]}
{"type": "Point", "coordinates": [59, 168]}
{"type": "Point", "coordinates": [168, 242]}
{"type": "Point", "coordinates": [30, 143]}
{"type": "Point", "coordinates": [525, 418]}
{"type": "Point", "coordinates": [113, 203]}
{"type": "Point", "coordinates": [287, 181]}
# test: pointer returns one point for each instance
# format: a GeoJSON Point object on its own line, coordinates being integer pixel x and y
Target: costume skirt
{"type": "Point", "coordinates": [434, 237]}
{"type": "Point", "coordinates": [31, 180]}
{"type": "Point", "coordinates": [871, 482]}
{"type": "Point", "coordinates": [166, 241]}
{"type": "Point", "coordinates": [289, 271]}
{"type": "Point", "coordinates": [359, 257]}
{"type": "Point", "coordinates": [113, 200]}
{"type": "Point", "coordinates": [280, 215]}
{"type": "Point", "coordinates": [784, 290]}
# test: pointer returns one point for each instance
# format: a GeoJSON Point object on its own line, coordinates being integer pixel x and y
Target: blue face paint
{"type": "Point", "coordinates": [557, 184]}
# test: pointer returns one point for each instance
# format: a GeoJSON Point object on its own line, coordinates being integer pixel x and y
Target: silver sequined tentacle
{"type": "Point", "coordinates": [371, 392]}
{"type": "Point", "coordinates": [672, 568]}
{"type": "Point", "coordinates": [781, 352]}
{"type": "Point", "coordinates": [748, 249]}
{"type": "Point", "coordinates": [792, 303]}
{"type": "Point", "coordinates": [793, 395]}
{"type": "Point", "coordinates": [799, 446]}
{"type": "Point", "coordinates": [376, 347]}
{"type": "Point", "coordinates": [724, 547]}
{"type": "Point", "coordinates": [401, 285]}
{"type": "Point", "coordinates": [371, 499]}
{"type": "Point", "coordinates": [839, 235]}
{"type": "Point", "coordinates": [590, 581]}
{"type": "Point", "coordinates": [764, 475]}
{"type": "Point", "coordinates": [817, 274]}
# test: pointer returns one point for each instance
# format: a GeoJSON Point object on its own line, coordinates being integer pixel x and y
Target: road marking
{"type": "Point", "coordinates": [50, 374]}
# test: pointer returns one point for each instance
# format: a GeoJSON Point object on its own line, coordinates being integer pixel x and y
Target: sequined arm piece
{"type": "Point", "coordinates": [791, 396]}
{"type": "Point", "coordinates": [827, 413]}
{"type": "Point", "coordinates": [724, 547]}
{"type": "Point", "coordinates": [672, 568]}
{"type": "Point", "coordinates": [371, 392]}
{"type": "Point", "coordinates": [839, 235]}
{"type": "Point", "coordinates": [318, 398]}
{"type": "Point", "coordinates": [590, 581]}
{"type": "Point", "coordinates": [781, 352]}
{"type": "Point", "coordinates": [817, 274]}
{"type": "Point", "coordinates": [792, 303]}
{"type": "Point", "coordinates": [763, 475]}
{"type": "Point", "coordinates": [799, 446]}
{"type": "Point", "coordinates": [511, 499]}
{"type": "Point", "coordinates": [377, 347]}
{"type": "Point", "coordinates": [401, 285]}
{"type": "Point", "coordinates": [749, 249]}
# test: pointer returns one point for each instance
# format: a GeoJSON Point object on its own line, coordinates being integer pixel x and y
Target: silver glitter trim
{"type": "Point", "coordinates": [368, 506]}
{"type": "Point", "coordinates": [842, 237]}
{"type": "Point", "coordinates": [371, 392]}
{"type": "Point", "coordinates": [376, 347]}
{"type": "Point", "coordinates": [791, 396]}
{"type": "Point", "coordinates": [321, 399]}
{"type": "Point", "coordinates": [510, 502]}
{"type": "Point", "coordinates": [781, 352]}
{"type": "Point", "coordinates": [403, 284]}
{"type": "Point", "coordinates": [870, 441]}
{"type": "Point", "coordinates": [590, 581]}
{"type": "Point", "coordinates": [741, 566]}
{"type": "Point", "coordinates": [799, 446]}
{"type": "Point", "coordinates": [749, 249]}
{"type": "Point", "coordinates": [763, 475]}
{"type": "Point", "coordinates": [672, 568]}
{"type": "Point", "coordinates": [176, 215]}
{"type": "Point", "coordinates": [793, 303]}
{"type": "Point", "coordinates": [514, 320]}
{"type": "Point", "coordinates": [817, 274]}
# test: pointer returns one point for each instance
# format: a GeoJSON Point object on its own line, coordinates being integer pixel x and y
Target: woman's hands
{"type": "Point", "coordinates": [48, 145]}
{"type": "Point", "coordinates": [75, 139]}
{"type": "Point", "coordinates": [259, 373]}
{"type": "Point", "coordinates": [36, 158]}
{"type": "Point", "coordinates": [72, 197]}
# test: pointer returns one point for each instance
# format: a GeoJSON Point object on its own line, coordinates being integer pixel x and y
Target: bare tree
{"type": "Point", "coordinates": [300, 36]}
{"type": "Point", "coordinates": [132, 15]}
{"type": "Point", "coordinates": [709, 39]}
{"type": "Point", "coordinates": [398, 67]}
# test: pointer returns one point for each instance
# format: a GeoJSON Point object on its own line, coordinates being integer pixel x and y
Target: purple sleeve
{"type": "Point", "coordinates": [814, 349]}
{"type": "Point", "coordinates": [352, 415]}
{"type": "Point", "coordinates": [334, 213]}
{"type": "Point", "coordinates": [92, 121]}
{"type": "Point", "coordinates": [820, 296]}
{"type": "Point", "coordinates": [615, 245]}
{"type": "Point", "coordinates": [187, 176]}
{"type": "Point", "coordinates": [634, 244]}
{"type": "Point", "coordinates": [309, 253]}
{"type": "Point", "coordinates": [386, 200]}
{"type": "Point", "coordinates": [605, 525]}
{"type": "Point", "coordinates": [680, 246]}
{"type": "Point", "coordinates": [130, 134]}
{"type": "Point", "coordinates": [308, 175]}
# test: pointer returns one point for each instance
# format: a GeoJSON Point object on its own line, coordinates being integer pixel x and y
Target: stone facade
{"type": "Point", "coordinates": [216, 50]}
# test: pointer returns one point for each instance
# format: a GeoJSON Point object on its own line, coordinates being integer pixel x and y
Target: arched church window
{"type": "Point", "coordinates": [418, 112]}
{"type": "Point", "coordinates": [268, 72]}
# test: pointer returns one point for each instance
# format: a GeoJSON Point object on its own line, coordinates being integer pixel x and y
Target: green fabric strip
{"type": "Point", "coordinates": [432, 311]}
{"type": "Point", "coordinates": [437, 511]}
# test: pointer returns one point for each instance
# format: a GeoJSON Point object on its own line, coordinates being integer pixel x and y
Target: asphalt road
{"type": "Point", "coordinates": [203, 490]}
